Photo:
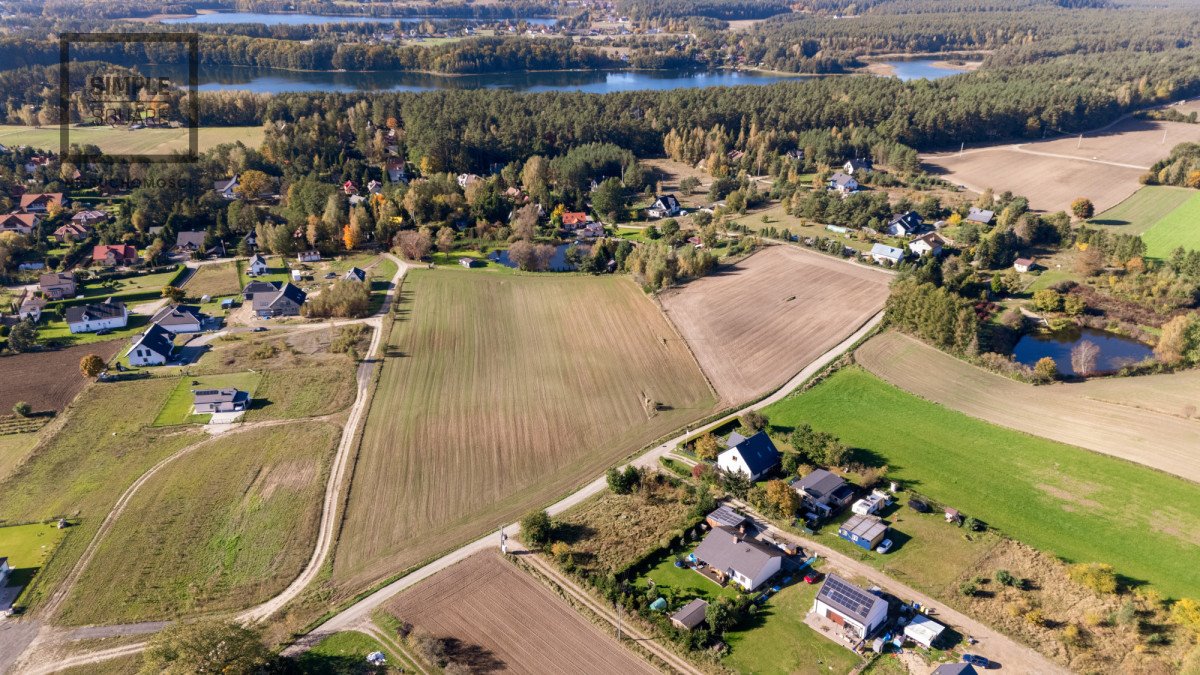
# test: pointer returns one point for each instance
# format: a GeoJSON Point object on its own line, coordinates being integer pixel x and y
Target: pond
{"type": "Point", "coordinates": [557, 264]}
{"type": "Point", "coordinates": [1116, 351]}
{"type": "Point", "coordinates": [274, 81]}
{"type": "Point", "coordinates": [916, 69]}
{"type": "Point", "coordinates": [272, 19]}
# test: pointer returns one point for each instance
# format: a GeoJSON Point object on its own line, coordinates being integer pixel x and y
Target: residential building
{"type": "Point", "coordinates": [190, 242]}
{"type": "Point", "coordinates": [906, 224]}
{"type": "Point", "coordinates": [226, 187]}
{"type": "Point", "coordinates": [665, 206]}
{"type": "Point", "coordinates": [575, 219]}
{"type": "Point", "coordinates": [690, 615]}
{"type": "Point", "coordinates": [395, 170]}
{"type": "Point", "coordinates": [843, 184]}
{"type": "Point", "coordinates": [260, 287]}
{"type": "Point", "coordinates": [284, 302]}
{"type": "Point", "coordinates": [356, 274]}
{"type": "Point", "coordinates": [154, 347]}
{"type": "Point", "coordinates": [732, 556]}
{"type": "Point", "coordinates": [859, 612]}
{"type": "Point", "coordinates": [180, 319]}
{"type": "Point", "coordinates": [90, 218]}
{"type": "Point", "coordinates": [112, 255]}
{"type": "Point", "coordinates": [1024, 264]}
{"type": "Point", "coordinates": [752, 457]}
{"type": "Point", "coordinates": [309, 256]}
{"type": "Point", "coordinates": [884, 254]}
{"type": "Point", "coordinates": [927, 244]}
{"type": "Point", "coordinates": [98, 316]}
{"type": "Point", "coordinates": [41, 202]}
{"type": "Point", "coordinates": [856, 166]}
{"type": "Point", "coordinates": [257, 265]}
{"type": "Point", "coordinates": [58, 285]}
{"type": "Point", "coordinates": [72, 231]}
{"type": "Point", "coordinates": [864, 531]}
{"type": "Point", "coordinates": [21, 223]}
{"type": "Point", "coordinates": [981, 216]}
{"type": "Point", "coordinates": [31, 309]}
{"type": "Point", "coordinates": [219, 401]}
{"type": "Point", "coordinates": [823, 493]}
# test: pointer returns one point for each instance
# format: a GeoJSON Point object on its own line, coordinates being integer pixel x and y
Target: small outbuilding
{"type": "Point", "coordinates": [864, 531]}
{"type": "Point", "coordinates": [923, 631]}
{"type": "Point", "coordinates": [1024, 265]}
{"type": "Point", "coordinates": [690, 615]}
{"type": "Point", "coordinates": [726, 516]}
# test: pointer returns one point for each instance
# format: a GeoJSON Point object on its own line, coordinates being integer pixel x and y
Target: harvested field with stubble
{"type": "Point", "coordinates": [502, 619]}
{"type": "Point", "coordinates": [757, 324]}
{"type": "Point", "coordinates": [1104, 167]}
{"type": "Point", "coordinates": [499, 394]}
{"type": "Point", "coordinates": [1148, 420]}
{"type": "Point", "coordinates": [48, 380]}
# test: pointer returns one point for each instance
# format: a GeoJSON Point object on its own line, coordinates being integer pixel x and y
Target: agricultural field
{"type": "Point", "coordinates": [124, 141]}
{"type": "Point", "coordinates": [214, 281]}
{"type": "Point", "coordinates": [178, 407]}
{"type": "Point", "coordinates": [526, 386]}
{"type": "Point", "coordinates": [1104, 167]}
{"type": "Point", "coordinates": [778, 218]}
{"type": "Point", "coordinates": [1080, 506]}
{"type": "Point", "coordinates": [185, 544]}
{"type": "Point", "coordinates": [48, 380]}
{"type": "Point", "coordinates": [1146, 420]}
{"type": "Point", "coordinates": [502, 619]}
{"type": "Point", "coordinates": [754, 326]}
{"type": "Point", "coordinates": [105, 443]}
{"type": "Point", "coordinates": [1144, 208]}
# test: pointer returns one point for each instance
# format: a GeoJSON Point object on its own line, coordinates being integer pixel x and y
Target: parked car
{"type": "Point", "coordinates": [812, 577]}
{"type": "Point", "coordinates": [259, 329]}
{"type": "Point", "coordinates": [976, 660]}
{"type": "Point", "coordinates": [884, 546]}
{"type": "Point", "coordinates": [104, 331]}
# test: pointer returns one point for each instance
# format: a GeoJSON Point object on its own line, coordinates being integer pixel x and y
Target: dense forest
{"type": "Point", "coordinates": [116, 9]}
{"type": "Point", "coordinates": [1181, 167]}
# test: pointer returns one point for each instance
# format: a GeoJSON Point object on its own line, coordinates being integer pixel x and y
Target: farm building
{"type": "Point", "coordinates": [864, 531]}
{"type": "Point", "coordinates": [725, 516]}
{"type": "Point", "coordinates": [923, 631]}
{"type": "Point", "coordinates": [1024, 264]}
{"type": "Point", "coordinates": [153, 347]}
{"type": "Point", "coordinates": [823, 493]}
{"type": "Point", "coordinates": [284, 302]}
{"type": "Point", "coordinates": [882, 253]}
{"type": "Point", "coordinates": [752, 457]}
{"type": "Point", "coordinates": [849, 606]}
{"type": "Point", "coordinates": [665, 206]}
{"type": "Point", "coordinates": [57, 286]}
{"type": "Point", "coordinates": [981, 216]}
{"type": "Point", "coordinates": [843, 184]}
{"type": "Point", "coordinates": [219, 400]}
{"type": "Point", "coordinates": [690, 615]}
{"type": "Point", "coordinates": [257, 265]}
{"type": "Point", "coordinates": [96, 317]}
{"type": "Point", "coordinates": [180, 319]}
{"type": "Point", "coordinates": [731, 556]}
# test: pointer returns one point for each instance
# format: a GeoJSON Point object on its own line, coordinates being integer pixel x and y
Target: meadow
{"type": "Point", "coordinates": [214, 281]}
{"type": "Point", "coordinates": [189, 542]}
{"type": "Point", "coordinates": [123, 141]}
{"type": "Point", "coordinates": [1078, 505]}
{"type": "Point", "coordinates": [178, 407]}
{"type": "Point", "coordinates": [499, 393]}
{"type": "Point", "coordinates": [1164, 215]}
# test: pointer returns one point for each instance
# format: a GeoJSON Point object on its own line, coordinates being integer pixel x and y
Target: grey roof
{"type": "Point", "coordinates": [864, 527]}
{"type": "Point", "coordinates": [668, 202]}
{"type": "Point", "coordinates": [56, 278]}
{"type": "Point", "coordinates": [101, 310]}
{"type": "Point", "coordinates": [725, 516]}
{"type": "Point", "coordinates": [260, 287]}
{"type": "Point", "coordinates": [228, 395]}
{"type": "Point", "coordinates": [758, 452]}
{"type": "Point", "coordinates": [980, 215]}
{"type": "Point", "coordinates": [841, 180]}
{"type": "Point", "coordinates": [691, 614]}
{"type": "Point", "coordinates": [727, 549]}
{"type": "Point", "coordinates": [155, 338]}
{"type": "Point", "coordinates": [847, 598]}
{"type": "Point", "coordinates": [257, 258]}
{"type": "Point", "coordinates": [190, 239]}
{"type": "Point", "coordinates": [887, 251]}
{"type": "Point", "coordinates": [954, 669]}
{"type": "Point", "coordinates": [910, 220]}
{"type": "Point", "coordinates": [288, 292]}
{"type": "Point", "coordinates": [177, 315]}
{"type": "Point", "coordinates": [355, 274]}
{"type": "Point", "coordinates": [819, 483]}
{"type": "Point", "coordinates": [734, 439]}
{"type": "Point", "coordinates": [225, 183]}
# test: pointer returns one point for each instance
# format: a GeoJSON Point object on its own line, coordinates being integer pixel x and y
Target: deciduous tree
{"type": "Point", "coordinates": [91, 365]}
{"type": "Point", "coordinates": [205, 646]}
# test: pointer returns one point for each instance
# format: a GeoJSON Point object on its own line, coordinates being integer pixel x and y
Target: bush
{"type": "Point", "coordinates": [1186, 613]}
{"type": "Point", "coordinates": [1073, 635]}
{"type": "Point", "coordinates": [536, 528]}
{"type": "Point", "coordinates": [344, 299]}
{"type": "Point", "coordinates": [1100, 577]}
{"type": "Point", "coordinates": [22, 408]}
{"type": "Point", "coordinates": [968, 588]}
{"type": "Point", "coordinates": [1005, 577]}
{"type": "Point", "coordinates": [1035, 617]}
{"type": "Point", "coordinates": [754, 421]}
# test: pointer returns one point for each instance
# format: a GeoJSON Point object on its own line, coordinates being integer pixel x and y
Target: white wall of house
{"type": "Point", "coordinates": [875, 618]}
{"type": "Point", "coordinates": [99, 324]}
{"type": "Point", "coordinates": [258, 268]}
{"type": "Point", "coordinates": [731, 461]}
{"type": "Point", "coordinates": [141, 356]}
{"type": "Point", "coordinates": [768, 571]}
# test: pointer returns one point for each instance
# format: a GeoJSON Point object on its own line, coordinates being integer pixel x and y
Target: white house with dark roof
{"type": "Point", "coordinates": [752, 457]}
{"type": "Point", "coordinates": [732, 556]}
{"type": "Point", "coordinates": [665, 206]}
{"type": "Point", "coordinates": [226, 187]}
{"type": "Point", "coordinates": [98, 316]}
{"type": "Point", "coordinates": [257, 265]}
{"type": "Point", "coordinates": [154, 347]}
{"type": "Point", "coordinates": [355, 274]}
{"type": "Point", "coordinates": [190, 242]}
{"type": "Point", "coordinates": [859, 612]}
{"type": "Point", "coordinates": [219, 401]}
{"type": "Point", "coordinates": [905, 224]}
{"type": "Point", "coordinates": [180, 319]}
{"type": "Point", "coordinates": [842, 183]}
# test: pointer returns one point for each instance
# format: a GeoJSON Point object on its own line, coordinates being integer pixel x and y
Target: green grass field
{"type": "Point", "coordinates": [13, 448]}
{"type": "Point", "coordinates": [104, 445]}
{"type": "Point", "coordinates": [214, 281]}
{"type": "Point", "coordinates": [27, 548]}
{"type": "Point", "coordinates": [221, 528]}
{"type": "Point", "coordinates": [1081, 506]}
{"type": "Point", "coordinates": [178, 407]}
{"type": "Point", "coordinates": [303, 392]}
{"type": "Point", "coordinates": [1166, 217]}
{"type": "Point", "coordinates": [123, 141]}
{"type": "Point", "coordinates": [340, 653]}
{"type": "Point", "coordinates": [277, 271]}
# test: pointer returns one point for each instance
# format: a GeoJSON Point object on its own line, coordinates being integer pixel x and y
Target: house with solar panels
{"type": "Point", "coordinates": [859, 612]}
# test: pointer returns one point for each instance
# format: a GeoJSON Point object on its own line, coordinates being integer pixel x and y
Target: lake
{"type": "Point", "coordinates": [273, 81]}
{"type": "Point", "coordinates": [1116, 351]}
{"type": "Point", "coordinates": [272, 19]}
{"type": "Point", "coordinates": [916, 69]}
{"type": "Point", "coordinates": [557, 264]}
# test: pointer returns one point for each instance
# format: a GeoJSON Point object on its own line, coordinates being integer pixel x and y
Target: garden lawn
{"type": "Point", "coordinates": [776, 639]}
{"type": "Point", "coordinates": [1081, 506]}
{"type": "Point", "coordinates": [682, 583]}
{"type": "Point", "coordinates": [27, 548]}
{"type": "Point", "coordinates": [277, 270]}
{"type": "Point", "coordinates": [344, 652]}
{"type": "Point", "coordinates": [59, 331]}
{"type": "Point", "coordinates": [131, 286]}
{"type": "Point", "coordinates": [178, 407]}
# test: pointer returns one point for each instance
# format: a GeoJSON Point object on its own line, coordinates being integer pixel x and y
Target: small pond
{"type": "Point", "coordinates": [557, 264]}
{"type": "Point", "coordinates": [1116, 351]}
{"type": "Point", "coordinates": [916, 69]}
{"type": "Point", "coordinates": [273, 19]}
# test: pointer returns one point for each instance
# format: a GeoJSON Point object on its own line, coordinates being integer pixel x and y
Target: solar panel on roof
{"type": "Point", "coordinates": [850, 597]}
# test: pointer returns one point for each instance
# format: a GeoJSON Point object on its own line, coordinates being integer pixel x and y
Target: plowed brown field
{"type": "Point", "coordinates": [1147, 420]}
{"type": "Point", "coordinates": [47, 380]}
{"type": "Point", "coordinates": [756, 325]}
{"type": "Point", "coordinates": [505, 620]}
